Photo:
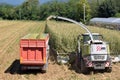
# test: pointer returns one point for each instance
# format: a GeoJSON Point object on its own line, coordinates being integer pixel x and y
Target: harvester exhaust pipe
{"type": "Point", "coordinates": [73, 21]}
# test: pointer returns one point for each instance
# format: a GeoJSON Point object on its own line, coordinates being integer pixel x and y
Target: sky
{"type": "Point", "coordinates": [18, 2]}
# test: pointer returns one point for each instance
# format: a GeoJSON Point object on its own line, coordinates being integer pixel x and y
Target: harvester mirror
{"type": "Point", "coordinates": [79, 37]}
{"type": "Point", "coordinates": [101, 37]}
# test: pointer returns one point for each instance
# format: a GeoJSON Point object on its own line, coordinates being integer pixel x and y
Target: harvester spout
{"type": "Point", "coordinates": [73, 21]}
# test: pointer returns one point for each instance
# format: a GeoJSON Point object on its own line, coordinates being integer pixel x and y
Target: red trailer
{"type": "Point", "coordinates": [34, 51]}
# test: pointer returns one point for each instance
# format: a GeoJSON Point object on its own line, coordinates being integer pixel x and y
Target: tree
{"type": "Point", "coordinates": [117, 5]}
{"type": "Point", "coordinates": [29, 10]}
{"type": "Point", "coordinates": [106, 9]}
{"type": "Point", "coordinates": [6, 11]}
{"type": "Point", "coordinates": [80, 10]}
{"type": "Point", "coordinates": [94, 5]}
{"type": "Point", "coordinates": [53, 8]}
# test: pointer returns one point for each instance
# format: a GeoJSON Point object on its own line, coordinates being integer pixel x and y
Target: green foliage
{"type": "Point", "coordinates": [50, 8]}
{"type": "Point", "coordinates": [32, 10]}
{"type": "Point", "coordinates": [66, 9]}
{"type": "Point", "coordinates": [29, 10]}
{"type": "Point", "coordinates": [6, 11]}
{"type": "Point", "coordinates": [71, 9]}
{"type": "Point", "coordinates": [94, 5]}
{"type": "Point", "coordinates": [80, 10]}
{"type": "Point", "coordinates": [117, 5]}
{"type": "Point", "coordinates": [117, 15]}
{"type": "Point", "coordinates": [106, 9]}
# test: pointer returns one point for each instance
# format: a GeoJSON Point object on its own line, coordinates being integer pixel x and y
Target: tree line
{"type": "Point", "coordinates": [74, 9]}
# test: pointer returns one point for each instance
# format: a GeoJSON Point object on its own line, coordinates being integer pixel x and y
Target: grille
{"type": "Point", "coordinates": [99, 57]}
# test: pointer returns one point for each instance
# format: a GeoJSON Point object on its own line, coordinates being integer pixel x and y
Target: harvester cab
{"type": "Point", "coordinates": [86, 38]}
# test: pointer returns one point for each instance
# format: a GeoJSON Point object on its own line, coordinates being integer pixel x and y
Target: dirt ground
{"type": "Point", "coordinates": [10, 34]}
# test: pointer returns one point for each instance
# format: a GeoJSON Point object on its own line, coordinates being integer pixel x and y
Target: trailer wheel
{"type": "Point", "coordinates": [21, 69]}
{"type": "Point", "coordinates": [44, 71]}
{"type": "Point", "coordinates": [45, 67]}
{"type": "Point", "coordinates": [84, 70]}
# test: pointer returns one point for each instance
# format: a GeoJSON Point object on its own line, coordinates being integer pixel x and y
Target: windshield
{"type": "Point", "coordinates": [95, 37]}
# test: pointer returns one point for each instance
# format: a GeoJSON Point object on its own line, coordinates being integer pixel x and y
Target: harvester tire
{"type": "Point", "coordinates": [109, 70]}
{"type": "Point", "coordinates": [84, 70]}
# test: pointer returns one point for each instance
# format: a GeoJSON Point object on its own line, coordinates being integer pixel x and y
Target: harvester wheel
{"type": "Point", "coordinates": [77, 64]}
{"type": "Point", "coordinates": [109, 69]}
{"type": "Point", "coordinates": [84, 70]}
{"type": "Point", "coordinates": [77, 69]}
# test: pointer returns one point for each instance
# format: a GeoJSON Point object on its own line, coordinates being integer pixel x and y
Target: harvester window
{"type": "Point", "coordinates": [86, 38]}
{"type": "Point", "coordinates": [96, 37]}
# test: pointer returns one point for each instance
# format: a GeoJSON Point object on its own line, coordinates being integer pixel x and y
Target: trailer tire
{"type": "Point", "coordinates": [44, 71]}
{"type": "Point", "coordinates": [22, 69]}
{"type": "Point", "coordinates": [45, 67]}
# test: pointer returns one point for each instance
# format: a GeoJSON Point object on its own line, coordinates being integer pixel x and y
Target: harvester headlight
{"type": "Point", "coordinates": [107, 64]}
{"type": "Point", "coordinates": [90, 64]}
